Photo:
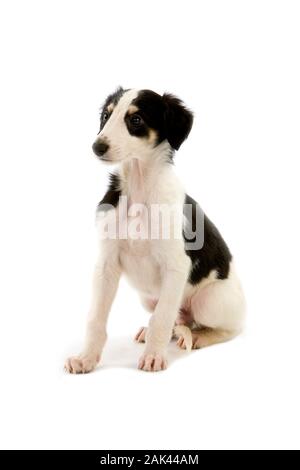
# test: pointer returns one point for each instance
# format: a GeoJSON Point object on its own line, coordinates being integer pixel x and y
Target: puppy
{"type": "Point", "coordinates": [185, 277]}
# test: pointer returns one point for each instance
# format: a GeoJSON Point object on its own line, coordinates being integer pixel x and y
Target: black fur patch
{"type": "Point", "coordinates": [152, 109]}
{"type": "Point", "coordinates": [140, 130]}
{"type": "Point", "coordinates": [178, 120]}
{"type": "Point", "coordinates": [214, 255]}
{"type": "Point", "coordinates": [166, 115]}
{"type": "Point", "coordinates": [112, 194]}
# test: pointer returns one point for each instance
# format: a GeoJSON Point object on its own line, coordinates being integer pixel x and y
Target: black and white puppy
{"type": "Point", "coordinates": [180, 280]}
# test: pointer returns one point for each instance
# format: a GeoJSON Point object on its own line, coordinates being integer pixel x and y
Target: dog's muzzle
{"type": "Point", "coordinates": [100, 147]}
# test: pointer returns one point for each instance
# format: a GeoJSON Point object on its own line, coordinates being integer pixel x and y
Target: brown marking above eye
{"type": "Point", "coordinates": [132, 109]}
{"type": "Point", "coordinates": [110, 108]}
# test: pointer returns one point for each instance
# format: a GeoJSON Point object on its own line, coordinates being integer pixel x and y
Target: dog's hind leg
{"type": "Point", "coordinates": [140, 337]}
{"type": "Point", "coordinates": [149, 304]}
{"type": "Point", "coordinates": [205, 337]}
{"type": "Point", "coordinates": [218, 309]}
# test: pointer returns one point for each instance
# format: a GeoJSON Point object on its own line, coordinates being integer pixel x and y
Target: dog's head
{"type": "Point", "coordinates": [133, 123]}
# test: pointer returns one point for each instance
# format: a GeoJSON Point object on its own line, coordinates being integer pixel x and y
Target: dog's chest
{"type": "Point", "coordinates": [140, 266]}
{"type": "Point", "coordinates": [137, 254]}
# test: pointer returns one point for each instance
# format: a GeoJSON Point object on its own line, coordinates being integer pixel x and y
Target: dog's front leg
{"type": "Point", "coordinates": [105, 284]}
{"type": "Point", "coordinates": [162, 321]}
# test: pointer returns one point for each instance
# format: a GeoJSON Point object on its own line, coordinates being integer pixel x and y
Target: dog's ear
{"type": "Point", "coordinates": [178, 120]}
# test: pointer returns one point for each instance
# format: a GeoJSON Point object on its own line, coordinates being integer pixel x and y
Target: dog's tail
{"type": "Point", "coordinates": [186, 333]}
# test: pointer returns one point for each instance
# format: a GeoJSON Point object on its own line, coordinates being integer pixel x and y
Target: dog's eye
{"type": "Point", "coordinates": [105, 116]}
{"type": "Point", "coordinates": [136, 120]}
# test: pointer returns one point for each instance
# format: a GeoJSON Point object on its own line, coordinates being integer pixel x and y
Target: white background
{"type": "Point", "coordinates": [236, 64]}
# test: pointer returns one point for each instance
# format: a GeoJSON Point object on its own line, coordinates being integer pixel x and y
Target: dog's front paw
{"type": "Point", "coordinates": [81, 364]}
{"type": "Point", "coordinates": [152, 362]}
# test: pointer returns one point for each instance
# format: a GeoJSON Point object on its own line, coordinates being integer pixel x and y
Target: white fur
{"type": "Point", "coordinates": [158, 269]}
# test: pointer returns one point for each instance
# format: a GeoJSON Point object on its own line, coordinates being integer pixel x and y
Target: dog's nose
{"type": "Point", "coordinates": [100, 147]}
